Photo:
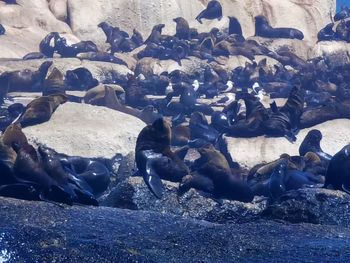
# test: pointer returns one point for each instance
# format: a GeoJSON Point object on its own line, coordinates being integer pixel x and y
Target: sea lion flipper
{"type": "Point", "coordinates": [153, 180]}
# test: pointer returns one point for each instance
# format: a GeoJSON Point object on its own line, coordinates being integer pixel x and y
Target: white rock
{"type": "Point", "coordinates": [88, 131]}
{"type": "Point", "coordinates": [251, 151]}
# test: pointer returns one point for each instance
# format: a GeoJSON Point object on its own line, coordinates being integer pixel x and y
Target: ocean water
{"type": "Point", "coordinates": [341, 3]}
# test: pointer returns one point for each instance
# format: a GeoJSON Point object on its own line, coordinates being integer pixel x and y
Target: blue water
{"type": "Point", "coordinates": [342, 2]}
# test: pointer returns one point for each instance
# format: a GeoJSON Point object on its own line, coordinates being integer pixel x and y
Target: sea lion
{"type": "Point", "coordinates": [263, 29]}
{"type": "Point", "coordinates": [9, 115]}
{"type": "Point", "coordinates": [212, 11]}
{"type": "Point", "coordinates": [24, 80]}
{"type": "Point", "coordinates": [276, 182]}
{"type": "Point", "coordinates": [342, 14]}
{"type": "Point", "coordinates": [47, 46]}
{"type": "Point", "coordinates": [342, 31]}
{"type": "Point", "coordinates": [182, 28]}
{"type": "Point", "coordinates": [101, 56]}
{"type": "Point", "coordinates": [154, 158]}
{"type": "Point", "coordinates": [10, 2]}
{"type": "Point", "coordinates": [338, 172]}
{"type": "Point", "coordinates": [213, 165]}
{"type": "Point", "coordinates": [137, 38]}
{"type": "Point", "coordinates": [40, 110]}
{"type": "Point", "coordinates": [155, 35]}
{"type": "Point", "coordinates": [311, 143]}
{"type": "Point", "coordinates": [2, 30]}
{"type": "Point", "coordinates": [34, 55]}
{"type": "Point", "coordinates": [285, 122]}
{"type": "Point", "coordinates": [54, 83]}
{"type": "Point", "coordinates": [67, 51]}
{"type": "Point", "coordinates": [200, 128]}
{"type": "Point", "coordinates": [235, 27]}
{"type": "Point", "coordinates": [80, 78]}
{"type": "Point", "coordinates": [326, 33]}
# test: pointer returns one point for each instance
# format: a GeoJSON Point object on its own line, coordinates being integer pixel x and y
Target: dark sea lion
{"type": "Point", "coordinates": [276, 183]}
{"type": "Point", "coordinates": [107, 29]}
{"type": "Point", "coordinates": [94, 172]}
{"type": "Point", "coordinates": [34, 55]}
{"type": "Point", "coordinates": [24, 191]}
{"type": "Point", "coordinates": [80, 78]}
{"type": "Point", "coordinates": [2, 30]}
{"type": "Point", "coordinates": [7, 161]}
{"type": "Point", "coordinates": [54, 83]}
{"type": "Point", "coordinates": [311, 143]}
{"type": "Point", "coordinates": [316, 115]}
{"type": "Point", "coordinates": [213, 165]}
{"type": "Point", "coordinates": [137, 38]}
{"type": "Point", "coordinates": [155, 35]}
{"type": "Point", "coordinates": [10, 2]}
{"type": "Point", "coordinates": [45, 46]}
{"type": "Point", "coordinates": [102, 56]}
{"type": "Point", "coordinates": [326, 33]}
{"type": "Point", "coordinates": [182, 28]}
{"type": "Point", "coordinates": [338, 172]}
{"type": "Point", "coordinates": [200, 128]}
{"type": "Point", "coordinates": [40, 110]}
{"type": "Point", "coordinates": [286, 121]}
{"type": "Point", "coordinates": [235, 27]}
{"type": "Point", "coordinates": [66, 50]}
{"type": "Point", "coordinates": [24, 80]}
{"type": "Point", "coordinates": [154, 158]}
{"type": "Point", "coordinates": [212, 11]}
{"type": "Point", "coordinates": [9, 115]}
{"type": "Point", "coordinates": [72, 191]}
{"type": "Point", "coordinates": [225, 48]}
{"type": "Point", "coordinates": [263, 29]}
{"type": "Point", "coordinates": [342, 31]}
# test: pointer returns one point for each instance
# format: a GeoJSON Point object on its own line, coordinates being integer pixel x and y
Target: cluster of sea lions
{"type": "Point", "coordinates": [339, 30]}
{"type": "Point", "coordinates": [189, 111]}
{"type": "Point", "coordinates": [43, 174]}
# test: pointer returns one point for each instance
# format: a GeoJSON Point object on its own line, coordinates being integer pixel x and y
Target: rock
{"type": "Point", "coordinates": [44, 232]}
{"type": "Point", "coordinates": [30, 20]}
{"type": "Point", "coordinates": [337, 52]}
{"type": "Point", "coordinates": [59, 9]}
{"type": "Point", "coordinates": [133, 193]}
{"type": "Point", "coordinates": [251, 151]}
{"type": "Point", "coordinates": [312, 205]}
{"type": "Point", "coordinates": [149, 66]}
{"type": "Point", "coordinates": [100, 70]}
{"type": "Point", "coordinates": [87, 131]}
{"type": "Point", "coordinates": [301, 48]}
{"type": "Point", "coordinates": [85, 15]}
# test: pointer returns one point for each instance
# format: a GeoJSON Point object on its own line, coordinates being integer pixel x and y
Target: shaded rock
{"type": "Point", "coordinates": [337, 52]}
{"type": "Point", "coordinates": [251, 151]}
{"type": "Point", "coordinates": [134, 194]}
{"type": "Point", "coordinates": [59, 9]}
{"type": "Point", "coordinates": [43, 232]}
{"type": "Point", "coordinates": [87, 131]}
{"type": "Point", "coordinates": [312, 205]}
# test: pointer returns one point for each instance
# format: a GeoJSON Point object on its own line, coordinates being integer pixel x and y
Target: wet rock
{"type": "Point", "coordinates": [312, 205]}
{"type": "Point", "coordinates": [87, 131]}
{"type": "Point", "coordinates": [134, 194]}
{"type": "Point", "coordinates": [43, 232]}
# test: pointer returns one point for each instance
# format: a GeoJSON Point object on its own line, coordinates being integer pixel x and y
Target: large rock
{"type": "Point", "coordinates": [312, 205]}
{"type": "Point", "coordinates": [43, 232]}
{"type": "Point", "coordinates": [251, 151]}
{"type": "Point", "coordinates": [133, 193]}
{"type": "Point", "coordinates": [84, 15]}
{"type": "Point", "coordinates": [26, 25]}
{"type": "Point", "coordinates": [88, 131]}
{"type": "Point", "coordinates": [337, 52]}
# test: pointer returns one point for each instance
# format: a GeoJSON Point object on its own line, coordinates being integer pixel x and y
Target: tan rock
{"type": "Point", "coordinates": [251, 151]}
{"type": "Point", "coordinates": [59, 9]}
{"type": "Point", "coordinates": [88, 131]}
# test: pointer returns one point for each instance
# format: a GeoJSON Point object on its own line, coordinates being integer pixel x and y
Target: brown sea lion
{"type": "Point", "coordinates": [40, 110]}
{"type": "Point", "coordinates": [182, 28]}
{"type": "Point", "coordinates": [212, 11]}
{"type": "Point", "coordinates": [54, 83]}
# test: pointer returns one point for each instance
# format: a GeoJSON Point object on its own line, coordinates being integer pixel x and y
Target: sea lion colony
{"type": "Point", "coordinates": [315, 91]}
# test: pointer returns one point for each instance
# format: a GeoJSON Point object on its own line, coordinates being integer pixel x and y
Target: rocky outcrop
{"type": "Point", "coordinates": [43, 232]}
{"type": "Point", "coordinates": [251, 151]}
{"type": "Point", "coordinates": [337, 52]}
{"type": "Point", "coordinates": [133, 193]}
{"type": "Point", "coordinates": [312, 205]}
{"type": "Point", "coordinates": [87, 131]}
{"type": "Point", "coordinates": [307, 16]}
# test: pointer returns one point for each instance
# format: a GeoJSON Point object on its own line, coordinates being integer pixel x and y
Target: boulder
{"type": "Point", "coordinates": [251, 151]}
{"type": "Point", "coordinates": [87, 131]}
{"type": "Point", "coordinates": [59, 9]}
{"type": "Point", "coordinates": [30, 20]}
{"type": "Point", "coordinates": [85, 15]}
{"type": "Point", "coordinates": [133, 193]}
{"type": "Point", "coordinates": [44, 232]}
{"type": "Point", "coordinates": [312, 205]}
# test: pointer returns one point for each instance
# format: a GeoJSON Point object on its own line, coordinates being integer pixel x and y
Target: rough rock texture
{"type": "Point", "coordinates": [312, 205]}
{"type": "Point", "coordinates": [337, 52]}
{"type": "Point", "coordinates": [133, 193]}
{"type": "Point", "coordinates": [30, 20]}
{"type": "Point", "coordinates": [308, 16]}
{"type": "Point", "coordinates": [42, 232]}
{"type": "Point", "coordinates": [100, 70]}
{"type": "Point", "coordinates": [88, 131]}
{"type": "Point", "coordinates": [251, 151]}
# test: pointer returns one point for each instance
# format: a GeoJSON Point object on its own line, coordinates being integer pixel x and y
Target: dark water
{"type": "Point", "coordinates": [341, 3]}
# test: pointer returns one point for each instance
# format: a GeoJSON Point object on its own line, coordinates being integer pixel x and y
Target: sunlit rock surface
{"type": "Point", "coordinates": [87, 131]}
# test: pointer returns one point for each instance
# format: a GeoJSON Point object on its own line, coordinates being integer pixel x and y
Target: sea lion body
{"type": "Point", "coordinates": [212, 11]}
